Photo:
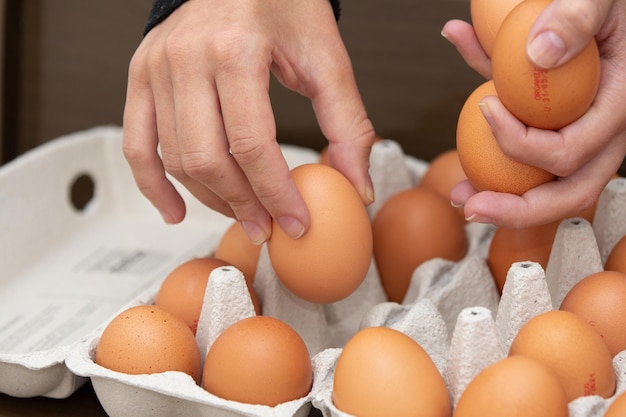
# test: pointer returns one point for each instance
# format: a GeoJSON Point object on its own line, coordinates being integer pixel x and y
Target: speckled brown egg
{"type": "Point", "coordinates": [516, 386]}
{"type": "Point", "coordinates": [487, 17]}
{"type": "Point", "coordinates": [572, 348]}
{"type": "Point", "coordinates": [600, 298]}
{"type": "Point", "coordinates": [147, 339]}
{"type": "Point", "coordinates": [543, 98]}
{"type": "Point", "coordinates": [258, 360]}
{"type": "Point", "coordinates": [443, 173]}
{"type": "Point", "coordinates": [486, 166]}
{"type": "Point", "coordinates": [236, 248]}
{"type": "Point", "coordinates": [508, 246]}
{"type": "Point", "coordinates": [182, 291]}
{"type": "Point", "coordinates": [410, 228]}
{"type": "Point", "coordinates": [617, 408]}
{"type": "Point", "coordinates": [330, 261]}
{"type": "Point", "coordinates": [616, 261]}
{"type": "Point", "coordinates": [383, 372]}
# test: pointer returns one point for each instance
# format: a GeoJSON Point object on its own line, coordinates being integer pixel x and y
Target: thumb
{"type": "Point", "coordinates": [564, 28]}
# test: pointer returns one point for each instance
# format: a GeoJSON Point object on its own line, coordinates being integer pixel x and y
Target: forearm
{"type": "Point", "coordinates": [161, 9]}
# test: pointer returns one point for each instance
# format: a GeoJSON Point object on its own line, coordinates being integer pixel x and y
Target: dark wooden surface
{"type": "Point", "coordinates": [83, 403]}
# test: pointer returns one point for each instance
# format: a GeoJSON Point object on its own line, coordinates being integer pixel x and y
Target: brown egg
{"type": "Point", "coordinates": [567, 344]}
{"type": "Point", "coordinates": [547, 99]}
{"type": "Point", "coordinates": [600, 299]}
{"type": "Point", "coordinates": [146, 340]}
{"type": "Point", "coordinates": [258, 360]}
{"type": "Point", "coordinates": [519, 245]}
{"type": "Point", "coordinates": [412, 227]}
{"type": "Point", "coordinates": [484, 163]}
{"type": "Point", "coordinates": [617, 408]}
{"type": "Point", "coordinates": [616, 261]}
{"type": "Point", "coordinates": [487, 16]}
{"type": "Point", "coordinates": [443, 173]}
{"type": "Point", "coordinates": [516, 386]}
{"type": "Point", "coordinates": [383, 372]}
{"type": "Point", "coordinates": [236, 248]}
{"type": "Point", "coordinates": [182, 291]}
{"type": "Point", "coordinates": [331, 260]}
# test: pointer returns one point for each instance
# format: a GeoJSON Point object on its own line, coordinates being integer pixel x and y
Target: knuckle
{"type": "Point", "coordinates": [199, 165]}
{"type": "Point", "coordinates": [172, 165]}
{"type": "Point", "coordinates": [138, 66]}
{"type": "Point", "coordinates": [583, 15]}
{"type": "Point", "coordinates": [232, 51]}
{"type": "Point", "coordinates": [271, 191]}
{"type": "Point", "coordinates": [177, 47]}
{"type": "Point", "coordinates": [245, 146]}
{"type": "Point", "coordinates": [564, 166]}
{"type": "Point", "coordinates": [230, 41]}
{"type": "Point", "coordinates": [147, 189]}
{"type": "Point", "coordinates": [131, 151]}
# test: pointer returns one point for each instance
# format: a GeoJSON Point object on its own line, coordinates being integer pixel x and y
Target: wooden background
{"type": "Point", "coordinates": [70, 57]}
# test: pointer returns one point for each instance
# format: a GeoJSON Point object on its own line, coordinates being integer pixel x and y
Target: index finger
{"type": "Point", "coordinates": [251, 132]}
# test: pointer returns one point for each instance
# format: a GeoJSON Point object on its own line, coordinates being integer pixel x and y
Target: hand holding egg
{"type": "Point", "coordinates": [584, 154]}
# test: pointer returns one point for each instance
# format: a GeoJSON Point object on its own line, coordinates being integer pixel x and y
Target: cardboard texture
{"type": "Point", "coordinates": [67, 271]}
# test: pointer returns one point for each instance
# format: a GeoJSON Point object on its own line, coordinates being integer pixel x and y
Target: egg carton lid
{"type": "Point", "coordinates": [69, 265]}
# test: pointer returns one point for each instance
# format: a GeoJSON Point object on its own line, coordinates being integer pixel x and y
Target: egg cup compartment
{"type": "Point", "coordinates": [226, 301]}
{"type": "Point", "coordinates": [452, 309]}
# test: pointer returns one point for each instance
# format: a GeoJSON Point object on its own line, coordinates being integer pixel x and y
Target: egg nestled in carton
{"type": "Point", "coordinates": [452, 309]}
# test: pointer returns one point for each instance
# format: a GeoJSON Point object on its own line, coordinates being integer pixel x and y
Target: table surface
{"type": "Point", "coordinates": [82, 403]}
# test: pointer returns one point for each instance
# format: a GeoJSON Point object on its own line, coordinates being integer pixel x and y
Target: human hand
{"type": "Point", "coordinates": [586, 154]}
{"type": "Point", "coordinates": [198, 92]}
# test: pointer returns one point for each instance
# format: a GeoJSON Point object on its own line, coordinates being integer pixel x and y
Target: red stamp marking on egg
{"type": "Point", "coordinates": [540, 87]}
{"type": "Point", "coordinates": [590, 386]}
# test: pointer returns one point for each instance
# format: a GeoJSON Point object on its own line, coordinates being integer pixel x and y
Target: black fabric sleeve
{"type": "Point", "coordinates": [161, 9]}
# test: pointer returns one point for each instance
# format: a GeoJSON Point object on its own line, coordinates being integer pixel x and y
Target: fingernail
{"type": "Point", "coordinates": [477, 218]}
{"type": "Point", "coordinates": [257, 235]}
{"type": "Point", "coordinates": [369, 195]}
{"type": "Point", "coordinates": [167, 217]}
{"type": "Point", "coordinates": [486, 111]}
{"type": "Point", "coordinates": [455, 205]}
{"type": "Point", "coordinates": [547, 49]}
{"type": "Point", "coordinates": [291, 226]}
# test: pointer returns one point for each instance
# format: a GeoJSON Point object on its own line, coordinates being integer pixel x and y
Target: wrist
{"type": "Point", "coordinates": [161, 9]}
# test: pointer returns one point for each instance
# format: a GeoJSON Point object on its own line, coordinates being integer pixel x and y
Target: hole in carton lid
{"type": "Point", "coordinates": [526, 265]}
{"type": "Point", "coordinates": [82, 191]}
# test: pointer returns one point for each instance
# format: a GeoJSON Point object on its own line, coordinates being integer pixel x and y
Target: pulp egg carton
{"type": "Point", "coordinates": [68, 270]}
{"type": "Point", "coordinates": [68, 264]}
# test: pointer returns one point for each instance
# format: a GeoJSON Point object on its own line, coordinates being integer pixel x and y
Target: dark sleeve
{"type": "Point", "coordinates": [161, 9]}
